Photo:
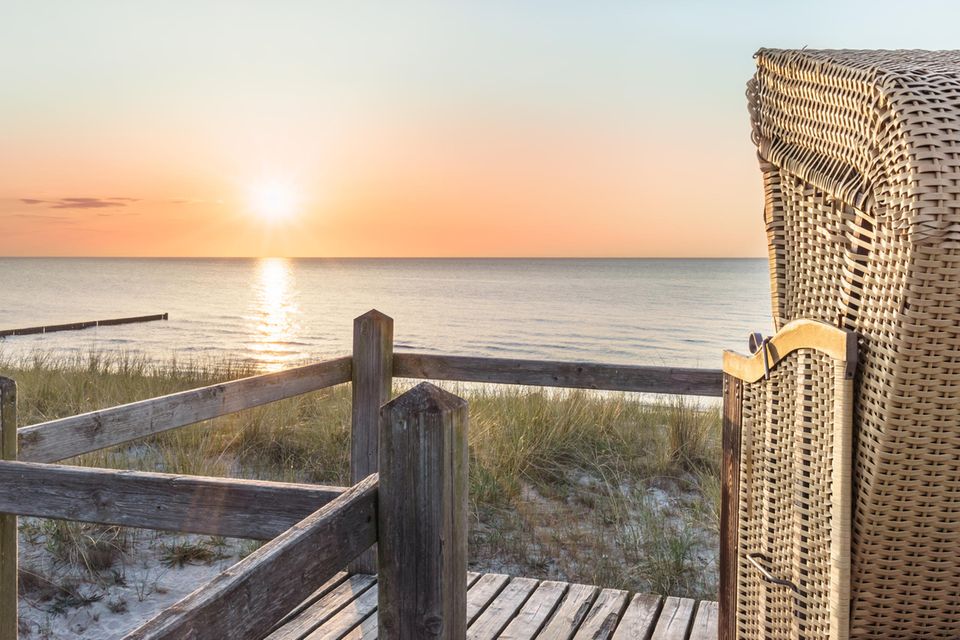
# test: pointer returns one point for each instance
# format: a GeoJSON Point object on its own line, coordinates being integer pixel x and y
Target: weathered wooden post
{"type": "Point", "coordinates": [8, 522]}
{"type": "Point", "coordinates": [372, 382]}
{"type": "Point", "coordinates": [422, 516]}
{"type": "Point", "coordinates": [730, 504]}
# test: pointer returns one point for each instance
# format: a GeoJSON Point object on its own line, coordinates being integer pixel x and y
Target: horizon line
{"type": "Point", "coordinates": [84, 257]}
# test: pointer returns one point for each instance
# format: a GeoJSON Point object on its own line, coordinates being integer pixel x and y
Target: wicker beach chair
{"type": "Point", "coordinates": [860, 155]}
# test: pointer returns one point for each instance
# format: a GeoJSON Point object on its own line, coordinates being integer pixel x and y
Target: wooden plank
{"type": "Point", "coordinates": [640, 617]}
{"type": "Point", "coordinates": [502, 610]}
{"type": "Point", "coordinates": [244, 602]}
{"type": "Point", "coordinates": [545, 373]}
{"type": "Point", "coordinates": [325, 608]}
{"type": "Point", "coordinates": [675, 619]}
{"type": "Point", "coordinates": [705, 622]}
{"type": "Point", "coordinates": [9, 585]}
{"type": "Point", "coordinates": [371, 389]}
{"type": "Point", "coordinates": [730, 504]}
{"type": "Point", "coordinates": [347, 618]}
{"type": "Point", "coordinates": [841, 499]}
{"type": "Point", "coordinates": [326, 588]}
{"type": "Point", "coordinates": [604, 615]}
{"type": "Point", "coordinates": [67, 437]}
{"type": "Point", "coordinates": [482, 592]}
{"type": "Point", "coordinates": [839, 344]}
{"type": "Point", "coordinates": [535, 611]}
{"type": "Point", "coordinates": [570, 614]}
{"type": "Point", "coordinates": [367, 630]}
{"type": "Point", "coordinates": [422, 515]}
{"type": "Point", "coordinates": [254, 509]}
{"type": "Point", "coordinates": [75, 326]}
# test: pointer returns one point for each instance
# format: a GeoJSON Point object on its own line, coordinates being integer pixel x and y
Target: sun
{"type": "Point", "coordinates": [274, 200]}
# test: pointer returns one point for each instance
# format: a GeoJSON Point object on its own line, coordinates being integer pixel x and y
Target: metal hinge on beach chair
{"type": "Point", "coordinates": [785, 530]}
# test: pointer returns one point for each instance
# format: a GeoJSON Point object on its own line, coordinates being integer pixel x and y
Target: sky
{"type": "Point", "coordinates": [272, 128]}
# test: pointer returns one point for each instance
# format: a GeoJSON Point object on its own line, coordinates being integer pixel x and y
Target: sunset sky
{"type": "Point", "coordinates": [399, 129]}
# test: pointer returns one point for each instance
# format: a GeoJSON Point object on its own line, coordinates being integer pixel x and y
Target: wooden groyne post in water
{"type": "Point", "coordinates": [8, 522]}
{"type": "Point", "coordinates": [76, 326]}
{"type": "Point", "coordinates": [422, 516]}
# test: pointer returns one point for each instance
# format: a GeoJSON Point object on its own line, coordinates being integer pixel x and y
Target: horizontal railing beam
{"type": "Point", "coordinates": [68, 437]}
{"type": "Point", "coordinates": [245, 602]}
{"type": "Point", "coordinates": [574, 375]}
{"type": "Point", "coordinates": [253, 509]}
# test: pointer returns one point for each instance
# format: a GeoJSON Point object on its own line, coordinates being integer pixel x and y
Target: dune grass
{"type": "Point", "coordinates": [607, 489]}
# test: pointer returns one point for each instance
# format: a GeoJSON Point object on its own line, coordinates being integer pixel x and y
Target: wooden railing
{"type": "Point", "coordinates": [246, 601]}
{"type": "Point", "coordinates": [302, 520]}
{"type": "Point", "coordinates": [86, 432]}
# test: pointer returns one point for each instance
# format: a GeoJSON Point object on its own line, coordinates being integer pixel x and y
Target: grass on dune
{"type": "Point", "coordinates": [599, 488]}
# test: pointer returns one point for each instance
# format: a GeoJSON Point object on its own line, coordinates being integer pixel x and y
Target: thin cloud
{"type": "Point", "coordinates": [193, 201]}
{"type": "Point", "coordinates": [41, 217]}
{"type": "Point", "coordinates": [80, 203]}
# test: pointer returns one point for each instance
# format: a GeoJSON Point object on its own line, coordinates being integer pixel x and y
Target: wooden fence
{"type": "Point", "coordinates": [314, 528]}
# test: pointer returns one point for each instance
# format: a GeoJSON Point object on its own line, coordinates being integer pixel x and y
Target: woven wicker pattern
{"type": "Point", "coordinates": [785, 500]}
{"type": "Point", "coordinates": [860, 153]}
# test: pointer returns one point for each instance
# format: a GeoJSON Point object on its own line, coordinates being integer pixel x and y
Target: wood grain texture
{"type": "Point", "coordinates": [640, 618]}
{"type": "Point", "coordinates": [68, 437]}
{"type": "Point", "coordinates": [842, 504]}
{"type": "Point", "coordinates": [499, 613]}
{"type": "Point", "coordinates": [254, 509]}
{"type": "Point", "coordinates": [535, 611]}
{"type": "Point", "coordinates": [9, 586]}
{"type": "Point", "coordinates": [367, 630]}
{"type": "Point", "coordinates": [244, 602]}
{"type": "Point", "coordinates": [324, 589]}
{"type": "Point", "coordinates": [494, 597]}
{"type": "Point", "coordinates": [730, 504]}
{"type": "Point", "coordinates": [423, 516]}
{"type": "Point", "coordinates": [705, 622]}
{"type": "Point", "coordinates": [349, 617]}
{"type": "Point", "coordinates": [324, 609]}
{"type": "Point", "coordinates": [675, 619]}
{"type": "Point", "coordinates": [545, 373]}
{"type": "Point", "coordinates": [839, 344]}
{"type": "Point", "coordinates": [482, 593]}
{"type": "Point", "coordinates": [372, 384]}
{"type": "Point", "coordinates": [604, 615]}
{"type": "Point", "coordinates": [570, 614]}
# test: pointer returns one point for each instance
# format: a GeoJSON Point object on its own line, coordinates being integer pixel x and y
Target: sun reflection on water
{"type": "Point", "coordinates": [275, 315]}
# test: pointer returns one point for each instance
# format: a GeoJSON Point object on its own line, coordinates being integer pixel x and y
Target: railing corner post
{"type": "Point", "coordinates": [9, 622]}
{"type": "Point", "coordinates": [372, 382]}
{"type": "Point", "coordinates": [422, 516]}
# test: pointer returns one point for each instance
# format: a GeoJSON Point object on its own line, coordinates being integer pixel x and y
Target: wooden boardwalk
{"type": "Point", "coordinates": [499, 606]}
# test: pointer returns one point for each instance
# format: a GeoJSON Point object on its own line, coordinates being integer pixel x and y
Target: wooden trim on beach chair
{"type": "Point", "coordinates": [839, 344]}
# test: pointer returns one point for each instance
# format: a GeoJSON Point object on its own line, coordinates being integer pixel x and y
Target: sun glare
{"type": "Point", "coordinates": [274, 200]}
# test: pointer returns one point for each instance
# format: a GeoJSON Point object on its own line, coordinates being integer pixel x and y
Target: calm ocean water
{"type": "Point", "coordinates": [278, 312]}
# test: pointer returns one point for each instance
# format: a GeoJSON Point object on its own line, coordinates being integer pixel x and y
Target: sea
{"type": "Point", "coordinates": [273, 313]}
